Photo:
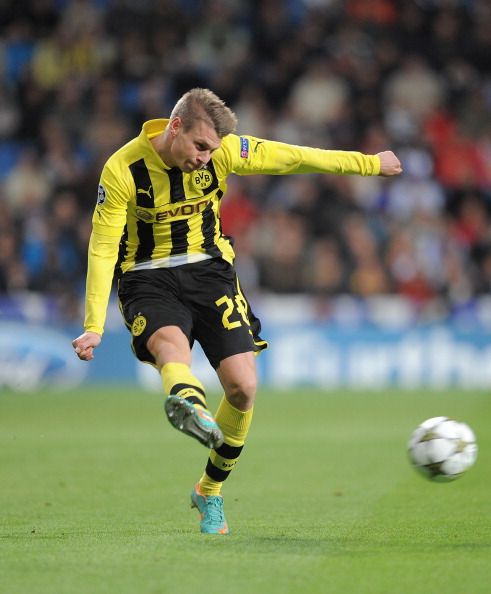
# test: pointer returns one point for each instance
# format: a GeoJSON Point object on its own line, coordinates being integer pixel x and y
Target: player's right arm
{"type": "Point", "coordinates": [247, 155]}
{"type": "Point", "coordinates": [108, 221]}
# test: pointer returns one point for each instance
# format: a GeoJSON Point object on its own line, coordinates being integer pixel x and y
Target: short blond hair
{"type": "Point", "coordinates": [203, 104]}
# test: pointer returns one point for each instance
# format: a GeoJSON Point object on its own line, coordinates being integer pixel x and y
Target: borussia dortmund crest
{"type": "Point", "coordinates": [139, 325]}
{"type": "Point", "coordinates": [202, 179]}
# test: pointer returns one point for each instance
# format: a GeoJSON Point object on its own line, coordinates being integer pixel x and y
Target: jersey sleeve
{"type": "Point", "coordinates": [108, 223]}
{"type": "Point", "coordinates": [247, 155]}
{"type": "Point", "coordinates": [116, 187]}
{"type": "Point", "coordinates": [103, 253]}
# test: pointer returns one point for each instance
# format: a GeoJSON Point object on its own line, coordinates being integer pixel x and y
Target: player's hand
{"type": "Point", "coordinates": [85, 344]}
{"type": "Point", "coordinates": [389, 164]}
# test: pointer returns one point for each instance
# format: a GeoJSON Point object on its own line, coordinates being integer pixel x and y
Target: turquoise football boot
{"type": "Point", "coordinates": [210, 508]}
{"type": "Point", "coordinates": [194, 421]}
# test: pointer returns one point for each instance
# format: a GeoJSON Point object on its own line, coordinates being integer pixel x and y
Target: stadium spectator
{"type": "Point", "coordinates": [78, 77]}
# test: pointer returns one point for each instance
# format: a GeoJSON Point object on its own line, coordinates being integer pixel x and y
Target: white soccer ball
{"type": "Point", "coordinates": [442, 449]}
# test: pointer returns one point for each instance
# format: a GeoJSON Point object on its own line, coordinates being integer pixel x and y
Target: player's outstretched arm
{"type": "Point", "coordinates": [389, 164]}
{"type": "Point", "coordinates": [85, 344]}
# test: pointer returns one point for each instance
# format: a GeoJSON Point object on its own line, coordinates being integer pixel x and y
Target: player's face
{"type": "Point", "coordinates": [192, 149]}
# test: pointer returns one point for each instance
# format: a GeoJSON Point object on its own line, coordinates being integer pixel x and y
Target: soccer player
{"type": "Point", "coordinates": [157, 222]}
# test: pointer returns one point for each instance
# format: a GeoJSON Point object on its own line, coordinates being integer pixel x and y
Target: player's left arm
{"type": "Point", "coordinates": [247, 155]}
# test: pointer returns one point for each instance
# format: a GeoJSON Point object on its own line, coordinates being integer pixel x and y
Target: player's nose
{"type": "Point", "coordinates": [204, 157]}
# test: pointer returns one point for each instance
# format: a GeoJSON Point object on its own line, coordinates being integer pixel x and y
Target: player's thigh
{"type": "Point", "coordinates": [149, 301]}
{"type": "Point", "coordinates": [169, 344]}
{"type": "Point", "coordinates": [223, 322]}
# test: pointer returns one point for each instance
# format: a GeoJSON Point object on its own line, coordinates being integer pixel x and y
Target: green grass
{"type": "Point", "coordinates": [94, 489]}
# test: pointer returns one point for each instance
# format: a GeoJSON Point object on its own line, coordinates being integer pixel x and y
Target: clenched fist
{"type": "Point", "coordinates": [85, 344]}
{"type": "Point", "coordinates": [389, 164]}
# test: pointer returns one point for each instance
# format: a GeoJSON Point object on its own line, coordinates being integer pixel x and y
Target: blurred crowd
{"type": "Point", "coordinates": [78, 78]}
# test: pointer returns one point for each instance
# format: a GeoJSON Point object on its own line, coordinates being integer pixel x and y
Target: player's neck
{"type": "Point", "coordinates": [161, 144]}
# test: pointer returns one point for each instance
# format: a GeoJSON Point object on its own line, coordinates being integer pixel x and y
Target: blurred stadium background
{"type": "Point", "coordinates": [363, 283]}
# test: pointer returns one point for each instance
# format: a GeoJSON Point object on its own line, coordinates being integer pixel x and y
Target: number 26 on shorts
{"type": "Point", "coordinates": [240, 306]}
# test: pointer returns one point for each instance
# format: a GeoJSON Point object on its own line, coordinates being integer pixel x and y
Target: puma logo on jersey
{"type": "Point", "coordinates": [148, 192]}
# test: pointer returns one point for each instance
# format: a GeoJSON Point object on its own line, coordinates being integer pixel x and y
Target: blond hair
{"type": "Point", "coordinates": [203, 104]}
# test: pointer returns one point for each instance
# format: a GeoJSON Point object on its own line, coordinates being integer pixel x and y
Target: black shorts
{"type": "Point", "coordinates": [203, 299]}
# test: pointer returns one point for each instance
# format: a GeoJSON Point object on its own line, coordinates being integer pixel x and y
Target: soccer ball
{"type": "Point", "coordinates": [442, 449]}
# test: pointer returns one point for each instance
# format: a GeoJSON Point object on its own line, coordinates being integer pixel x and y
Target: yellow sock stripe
{"type": "Point", "coordinates": [178, 379]}
{"type": "Point", "coordinates": [233, 422]}
{"type": "Point", "coordinates": [208, 486]}
{"type": "Point", "coordinates": [225, 464]}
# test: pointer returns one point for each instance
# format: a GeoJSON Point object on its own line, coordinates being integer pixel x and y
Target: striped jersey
{"type": "Point", "coordinates": [149, 215]}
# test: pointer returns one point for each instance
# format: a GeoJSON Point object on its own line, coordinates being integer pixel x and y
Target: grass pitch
{"type": "Point", "coordinates": [94, 498]}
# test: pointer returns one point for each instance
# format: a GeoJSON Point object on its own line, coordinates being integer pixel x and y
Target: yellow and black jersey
{"type": "Point", "coordinates": [153, 216]}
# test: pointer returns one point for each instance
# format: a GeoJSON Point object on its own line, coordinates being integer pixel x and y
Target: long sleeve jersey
{"type": "Point", "coordinates": [149, 215]}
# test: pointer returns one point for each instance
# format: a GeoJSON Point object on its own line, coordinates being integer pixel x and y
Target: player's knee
{"type": "Point", "coordinates": [242, 393]}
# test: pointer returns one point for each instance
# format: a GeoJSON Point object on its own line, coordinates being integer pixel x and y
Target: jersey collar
{"type": "Point", "coordinates": [150, 129]}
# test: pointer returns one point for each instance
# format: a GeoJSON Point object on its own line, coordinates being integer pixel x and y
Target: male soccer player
{"type": "Point", "coordinates": [157, 220]}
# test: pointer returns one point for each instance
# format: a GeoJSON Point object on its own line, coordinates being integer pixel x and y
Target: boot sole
{"type": "Point", "coordinates": [183, 416]}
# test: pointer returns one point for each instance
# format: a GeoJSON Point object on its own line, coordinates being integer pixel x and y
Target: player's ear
{"type": "Point", "coordinates": [175, 125]}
